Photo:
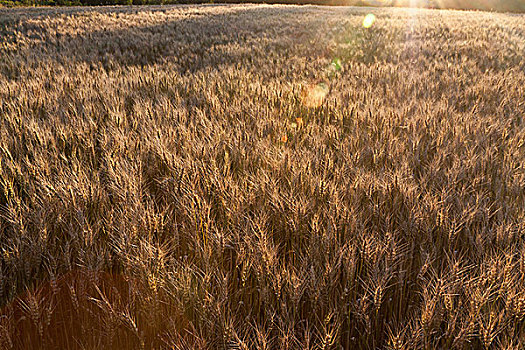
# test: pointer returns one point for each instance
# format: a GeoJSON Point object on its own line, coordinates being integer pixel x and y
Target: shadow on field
{"type": "Point", "coordinates": [10, 14]}
{"type": "Point", "coordinates": [194, 41]}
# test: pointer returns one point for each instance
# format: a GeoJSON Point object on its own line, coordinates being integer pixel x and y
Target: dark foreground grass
{"type": "Point", "coordinates": [261, 177]}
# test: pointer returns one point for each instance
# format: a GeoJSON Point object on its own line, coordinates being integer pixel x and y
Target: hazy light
{"type": "Point", "coordinates": [369, 20]}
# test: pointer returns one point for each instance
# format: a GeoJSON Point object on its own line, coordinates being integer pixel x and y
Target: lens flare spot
{"type": "Point", "coordinates": [336, 64]}
{"type": "Point", "coordinates": [313, 95]}
{"type": "Point", "coordinates": [369, 20]}
{"type": "Point", "coordinates": [299, 122]}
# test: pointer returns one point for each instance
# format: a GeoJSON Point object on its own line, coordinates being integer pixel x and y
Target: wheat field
{"type": "Point", "coordinates": [261, 177]}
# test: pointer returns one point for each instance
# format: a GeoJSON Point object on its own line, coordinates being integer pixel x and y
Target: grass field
{"type": "Point", "coordinates": [261, 177]}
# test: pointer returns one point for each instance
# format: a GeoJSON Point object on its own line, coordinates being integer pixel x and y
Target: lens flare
{"type": "Point", "coordinates": [299, 122]}
{"type": "Point", "coordinates": [314, 95]}
{"type": "Point", "coordinates": [336, 64]}
{"type": "Point", "coordinates": [369, 20]}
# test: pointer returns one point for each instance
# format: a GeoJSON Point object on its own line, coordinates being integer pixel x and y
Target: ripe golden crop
{"type": "Point", "coordinates": [255, 176]}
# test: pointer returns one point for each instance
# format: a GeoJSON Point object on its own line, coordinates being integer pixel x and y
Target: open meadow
{"type": "Point", "coordinates": [261, 177]}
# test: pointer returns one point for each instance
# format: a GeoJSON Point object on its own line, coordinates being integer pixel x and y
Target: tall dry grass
{"type": "Point", "coordinates": [261, 177]}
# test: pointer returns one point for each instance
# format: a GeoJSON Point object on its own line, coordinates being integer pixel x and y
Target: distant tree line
{"type": "Point", "coordinates": [487, 5]}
